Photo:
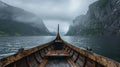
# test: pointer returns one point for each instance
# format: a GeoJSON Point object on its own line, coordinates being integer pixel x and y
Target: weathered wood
{"type": "Point", "coordinates": [72, 54]}
{"type": "Point", "coordinates": [36, 59]}
{"type": "Point", "coordinates": [70, 51]}
{"type": "Point", "coordinates": [29, 64]}
{"type": "Point", "coordinates": [41, 55]}
{"type": "Point", "coordinates": [21, 63]}
{"type": "Point", "coordinates": [8, 60]}
{"type": "Point", "coordinates": [71, 62]}
{"type": "Point", "coordinates": [57, 63]}
{"type": "Point", "coordinates": [57, 53]}
{"type": "Point", "coordinates": [76, 58]}
{"type": "Point", "coordinates": [42, 64]}
{"type": "Point", "coordinates": [106, 62]}
{"type": "Point", "coordinates": [86, 58]}
{"type": "Point", "coordinates": [85, 62]}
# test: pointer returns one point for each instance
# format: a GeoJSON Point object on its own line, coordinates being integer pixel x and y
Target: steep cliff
{"type": "Point", "coordinates": [16, 21]}
{"type": "Point", "coordinates": [102, 18]}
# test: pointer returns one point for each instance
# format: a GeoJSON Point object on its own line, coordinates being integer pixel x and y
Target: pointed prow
{"type": "Point", "coordinates": [58, 35]}
{"type": "Point", "coordinates": [58, 28]}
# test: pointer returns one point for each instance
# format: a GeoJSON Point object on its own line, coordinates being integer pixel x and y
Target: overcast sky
{"type": "Point", "coordinates": [54, 12]}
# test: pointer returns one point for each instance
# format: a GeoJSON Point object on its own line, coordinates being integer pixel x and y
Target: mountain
{"type": "Point", "coordinates": [16, 21]}
{"type": "Point", "coordinates": [102, 18]}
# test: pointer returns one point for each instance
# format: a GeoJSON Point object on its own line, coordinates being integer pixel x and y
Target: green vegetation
{"type": "Point", "coordinates": [14, 28]}
{"type": "Point", "coordinates": [3, 33]}
{"type": "Point", "coordinates": [10, 27]}
{"type": "Point", "coordinates": [87, 31]}
{"type": "Point", "coordinates": [96, 31]}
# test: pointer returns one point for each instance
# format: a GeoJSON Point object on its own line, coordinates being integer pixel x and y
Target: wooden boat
{"type": "Point", "coordinates": [57, 53]}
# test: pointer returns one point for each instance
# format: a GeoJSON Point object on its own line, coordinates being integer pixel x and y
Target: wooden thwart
{"type": "Point", "coordinates": [57, 53]}
{"type": "Point", "coordinates": [57, 50]}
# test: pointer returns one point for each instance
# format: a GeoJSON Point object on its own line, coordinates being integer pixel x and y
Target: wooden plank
{"type": "Point", "coordinates": [57, 63]}
{"type": "Point", "coordinates": [103, 61]}
{"type": "Point", "coordinates": [57, 53]}
{"type": "Point", "coordinates": [42, 64]}
{"type": "Point", "coordinates": [71, 62]}
{"type": "Point", "coordinates": [85, 62]}
{"type": "Point", "coordinates": [36, 58]}
{"type": "Point", "coordinates": [13, 58]}
{"type": "Point", "coordinates": [76, 58]}
{"type": "Point", "coordinates": [29, 63]}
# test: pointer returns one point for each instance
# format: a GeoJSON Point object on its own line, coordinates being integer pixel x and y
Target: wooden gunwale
{"type": "Point", "coordinates": [13, 58]}
{"type": "Point", "coordinates": [106, 62]}
{"type": "Point", "coordinates": [87, 55]}
{"type": "Point", "coordinates": [98, 59]}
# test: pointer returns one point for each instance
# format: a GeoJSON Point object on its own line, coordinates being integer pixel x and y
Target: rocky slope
{"type": "Point", "coordinates": [102, 18]}
{"type": "Point", "coordinates": [16, 21]}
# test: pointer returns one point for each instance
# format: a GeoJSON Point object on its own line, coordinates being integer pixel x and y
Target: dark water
{"type": "Point", "coordinates": [106, 46]}
{"type": "Point", "coordinates": [10, 45]}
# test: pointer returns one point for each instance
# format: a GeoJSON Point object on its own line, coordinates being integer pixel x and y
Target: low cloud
{"type": "Point", "coordinates": [58, 11]}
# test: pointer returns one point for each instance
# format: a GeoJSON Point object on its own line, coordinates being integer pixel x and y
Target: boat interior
{"type": "Point", "coordinates": [57, 53]}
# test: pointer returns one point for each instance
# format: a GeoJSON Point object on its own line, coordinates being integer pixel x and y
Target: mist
{"type": "Point", "coordinates": [54, 12]}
